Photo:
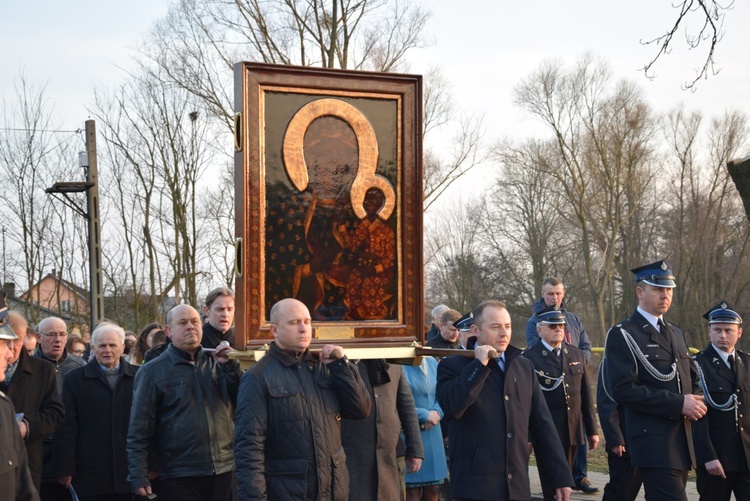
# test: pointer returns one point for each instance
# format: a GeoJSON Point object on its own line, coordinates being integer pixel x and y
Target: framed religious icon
{"type": "Point", "coordinates": [328, 182]}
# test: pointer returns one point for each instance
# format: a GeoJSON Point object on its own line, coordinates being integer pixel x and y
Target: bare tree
{"type": "Point", "coordinates": [708, 232]}
{"type": "Point", "coordinates": [602, 136]}
{"type": "Point", "coordinates": [33, 154]}
{"type": "Point", "coordinates": [457, 274]}
{"type": "Point", "coordinates": [710, 18]}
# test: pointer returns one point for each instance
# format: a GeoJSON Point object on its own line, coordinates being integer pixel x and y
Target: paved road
{"type": "Point", "coordinates": [598, 480]}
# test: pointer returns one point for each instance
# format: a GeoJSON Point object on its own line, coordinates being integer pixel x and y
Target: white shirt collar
{"type": "Point", "coordinates": [723, 354]}
{"type": "Point", "coordinates": [653, 320]}
{"type": "Point", "coordinates": [550, 348]}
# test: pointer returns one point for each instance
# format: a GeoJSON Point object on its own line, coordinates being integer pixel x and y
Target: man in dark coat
{"type": "Point", "coordinates": [15, 476]}
{"type": "Point", "coordinates": [219, 312]}
{"type": "Point", "coordinates": [553, 294]}
{"type": "Point", "coordinates": [371, 443]}
{"type": "Point", "coordinates": [724, 461]}
{"type": "Point", "coordinates": [561, 369]}
{"type": "Point", "coordinates": [435, 326]}
{"type": "Point", "coordinates": [289, 411]}
{"type": "Point", "coordinates": [89, 449]}
{"type": "Point", "coordinates": [32, 386]}
{"type": "Point", "coordinates": [53, 335]}
{"type": "Point", "coordinates": [448, 338]}
{"type": "Point", "coordinates": [624, 480]}
{"type": "Point", "coordinates": [648, 370]}
{"type": "Point", "coordinates": [495, 404]}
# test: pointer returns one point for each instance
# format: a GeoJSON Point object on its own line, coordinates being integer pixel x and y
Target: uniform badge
{"type": "Point", "coordinates": [724, 305]}
{"type": "Point", "coordinates": [574, 363]}
{"type": "Point", "coordinates": [544, 353]}
{"type": "Point", "coordinates": [663, 266]}
{"type": "Point", "coordinates": [565, 350]}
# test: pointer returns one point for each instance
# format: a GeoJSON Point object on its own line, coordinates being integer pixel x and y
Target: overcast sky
{"type": "Point", "coordinates": [485, 48]}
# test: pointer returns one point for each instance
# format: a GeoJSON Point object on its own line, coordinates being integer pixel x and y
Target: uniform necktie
{"type": "Point", "coordinates": [662, 327]}
{"type": "Point", "coordinates": [730, 360]}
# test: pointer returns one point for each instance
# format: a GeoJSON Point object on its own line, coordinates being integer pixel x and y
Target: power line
{"type": "Point", "coordinates": [77, 131]}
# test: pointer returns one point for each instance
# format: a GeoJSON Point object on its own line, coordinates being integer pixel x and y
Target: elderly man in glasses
{"type": "Point", "coordinates": [53, 335]}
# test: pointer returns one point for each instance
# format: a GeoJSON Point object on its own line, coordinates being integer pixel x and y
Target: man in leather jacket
{"type": "Point", "coordinates": [183, 409]}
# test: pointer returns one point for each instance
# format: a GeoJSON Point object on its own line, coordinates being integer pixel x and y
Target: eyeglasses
{"type": "Point", "coordinates": [78, 353]}
{"type": "Point", "coordinates": [55, 334]}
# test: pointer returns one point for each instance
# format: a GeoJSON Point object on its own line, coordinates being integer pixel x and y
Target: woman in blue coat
{"type": "Point", "coordinates": [424, 485]}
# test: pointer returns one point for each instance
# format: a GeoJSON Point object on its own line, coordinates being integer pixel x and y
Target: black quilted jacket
{"type": "Point", "coordinates": [288, 438]}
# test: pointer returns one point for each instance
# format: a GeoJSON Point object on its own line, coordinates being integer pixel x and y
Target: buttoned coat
{"type": "Point", "coordinates": [434, 466]}
{"type": "Point", "coordinates": [370, 443]}
{"type": "Point", "coordinates": [61, 368]}
{"type": "Point", "coordinates": [33, 390]}
{"type": "Point", "coordinates": [657, 434]}
{"type": "Point", "coordinates": [727, 440]}
{"type": "Point", "coordinates": [90, 445]}
{"type": "Point", "coordinates": [483, 457]}
{"type": "Point", "coordinates": [572, 406]}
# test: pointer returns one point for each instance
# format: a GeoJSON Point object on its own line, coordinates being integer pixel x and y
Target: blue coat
{"type": "Point", "coordinates": [434, 465]}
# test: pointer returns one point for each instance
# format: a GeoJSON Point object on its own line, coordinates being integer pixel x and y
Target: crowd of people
{"type": "Point", "coordinates": [168, 415]}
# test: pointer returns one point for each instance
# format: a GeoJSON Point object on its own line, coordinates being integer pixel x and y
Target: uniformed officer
{"type": "Point", "coordinates": [725, 379]}
{"type": "Point", "coordinates": [463, 325]}
{"type": "Point", "coordinates": [649, 372]}
{"type": "Point", "coordinates": [624, 480]}
{"type": "Point", "coordinates": [15, 477]}
{"type": "Point", "coordinates": [561, 371]}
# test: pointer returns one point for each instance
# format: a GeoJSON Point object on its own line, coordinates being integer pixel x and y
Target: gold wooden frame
{"type": "Point", "coordinates": [321, 92]}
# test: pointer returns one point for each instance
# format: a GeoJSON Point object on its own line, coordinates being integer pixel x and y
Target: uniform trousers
{"type": "Point", "coordinates": [713, 488]}
{"type": "Point", "coordinates": [664, 484]}
{"type": "Point", "coordinates": [624, 480]}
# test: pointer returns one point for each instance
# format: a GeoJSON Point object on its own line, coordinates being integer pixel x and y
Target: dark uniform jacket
{"type": "Point", "coordinates": [727, 440]}
{"type": "Point", "coordinates": [573, 326]}
{"type": "Point", "coordinates": [657, 434]}
{"type": "Point", "coordinates": [183, 412]}
{"type": "Point", "coordinates": [288, 441]}
{"type": "Point", "coordinates": [609, 412]}
{"type": "Point", "coordinates": [15, 477]}
{"type": "Point", "coordinates": [485, 458]}
{"type": "Point", "coordinates": [33, 390]}
{"type": "Point", "coordinates": [90, 446]}
{"type": "Point", "coordinates": [569, 411]}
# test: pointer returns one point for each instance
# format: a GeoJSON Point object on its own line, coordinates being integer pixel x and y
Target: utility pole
{"type": "Point", "coordinates": [96, 293]}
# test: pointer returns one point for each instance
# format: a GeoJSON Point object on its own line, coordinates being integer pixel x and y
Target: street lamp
{"type": "Point", "coordinates": [91, 187]}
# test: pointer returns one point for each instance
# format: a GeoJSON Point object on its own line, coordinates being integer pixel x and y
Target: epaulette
{"type": "Point", "coordinates": [625, 322]}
